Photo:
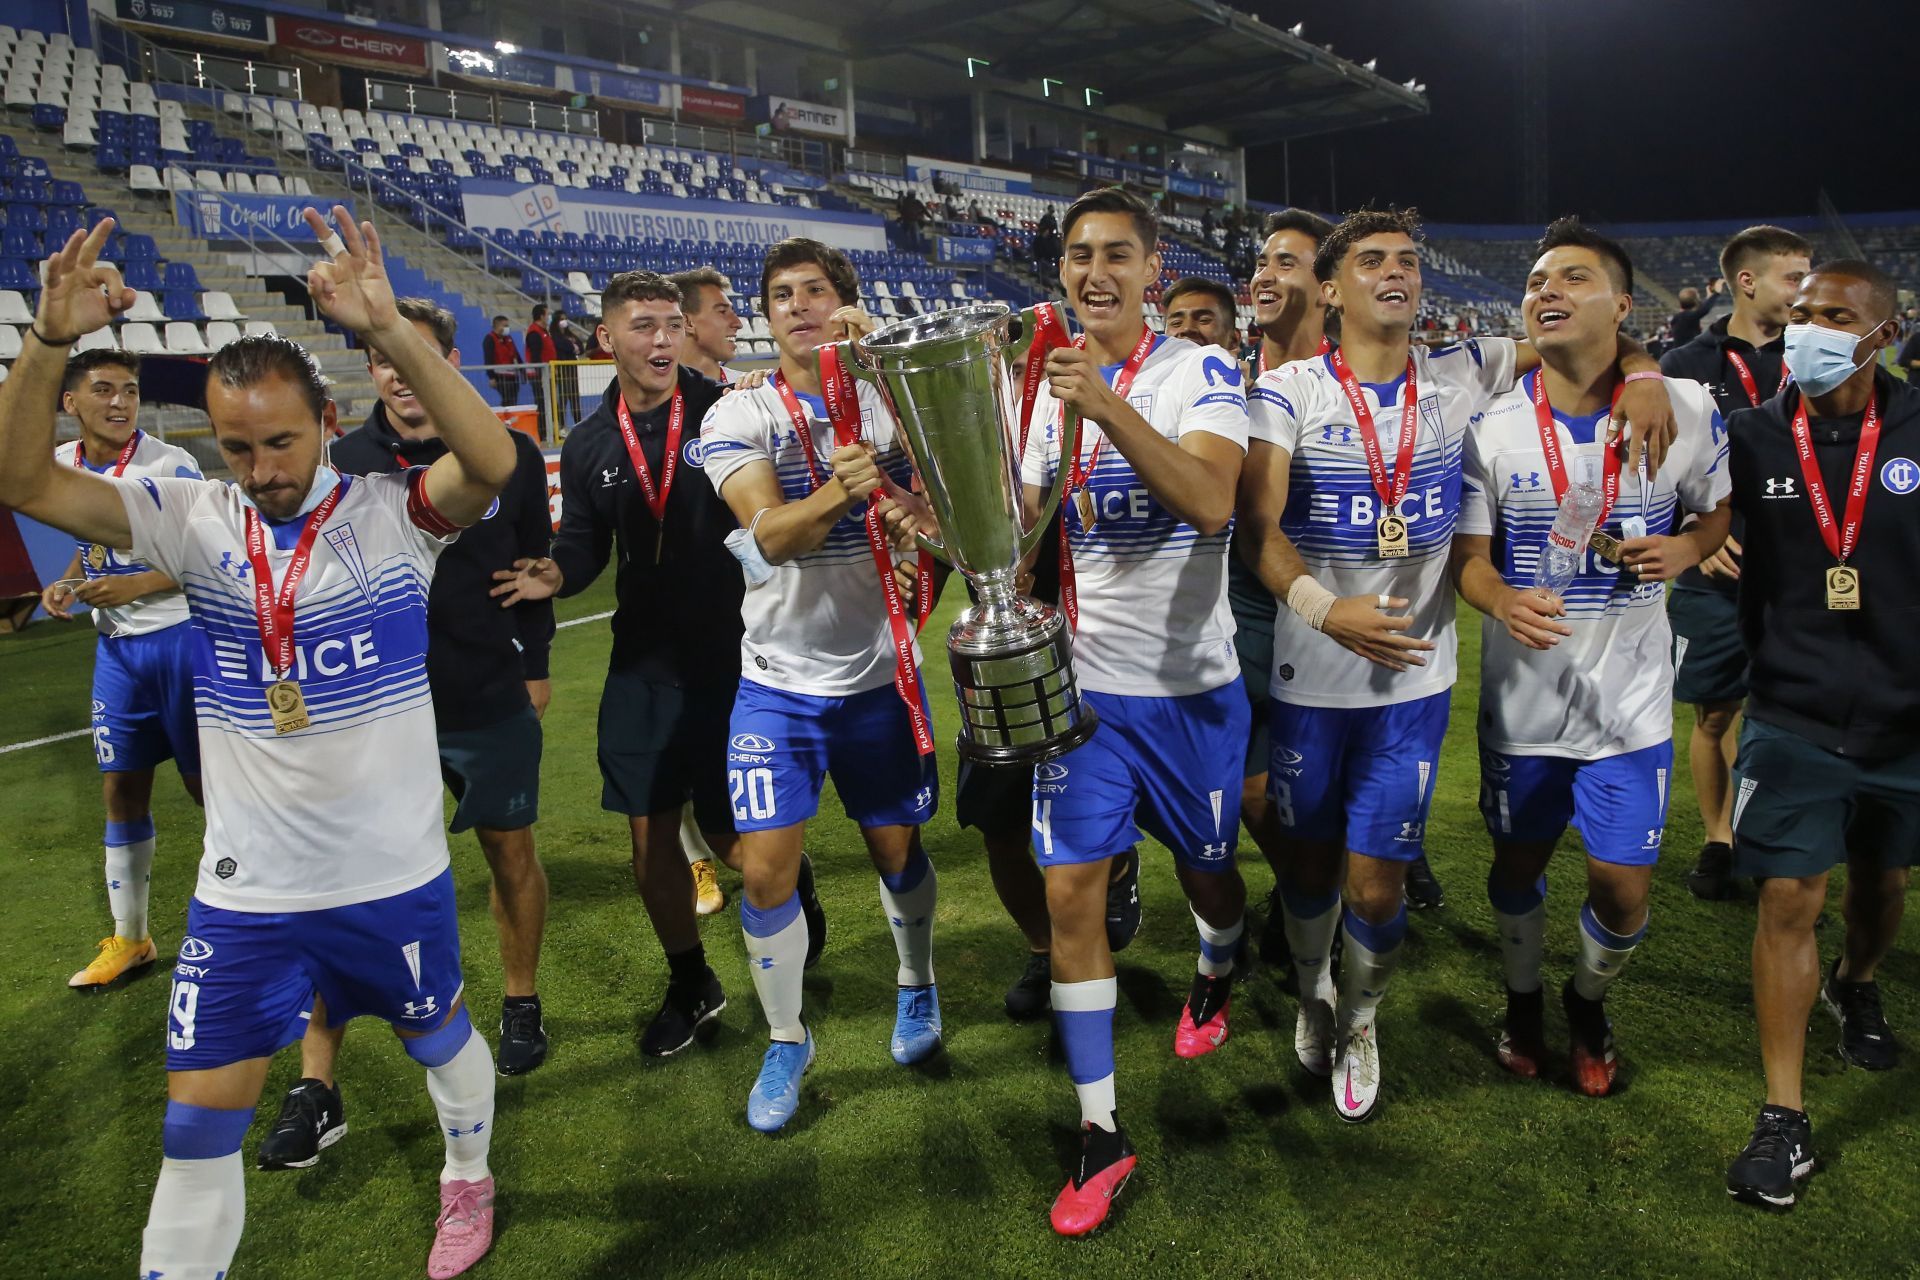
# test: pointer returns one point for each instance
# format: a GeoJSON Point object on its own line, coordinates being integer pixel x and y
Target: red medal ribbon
{"type": "Point", "coordinates": [1747, 382]}
{"type": "Point", "coordinates": [1840, 539]}
{"type": "Point", "coordinates": [1048, 334]}
{"type": "Point", "coordinates": [275, 614]}
{"type": "Point", "coordinates": [843, 411]}
{"type": "Point", "coordinates": [1556, 463]}
{"type": "Point", "coordinates": [1078, 476]}
{"type": "Point", "coordinates": [1391, 489]}
{"type": "Point", "coordinates": [676, 423]}
{"type": "Point", "coordinates": [119, 467]}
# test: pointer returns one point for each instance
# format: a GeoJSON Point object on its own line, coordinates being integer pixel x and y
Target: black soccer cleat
{"type": "Point", "coordinates": [312, 1118]}
{"type": "Point", "coordinates": [1123, 904]}
{"type": "Point", "coordinates": [1711, 879]}
{"type": "Point", "coordinates": [815, 913]}
{"type": "Point", "coordinates": [1031, 995]}
{"type": "Point", "coordinates": [1778, 1158]}
{"type": "Point", "coordinates": [523, 1036]}
{"type": "Point", "coordinates": [1865, 1039]}
{"type": "Point", "coordinates": [1423, 891]}
{"type": "Point", "coordinates": [687, 1008]}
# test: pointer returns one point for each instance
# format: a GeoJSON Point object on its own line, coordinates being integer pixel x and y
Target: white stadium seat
{"type": "Point", "coordinates": [183, 339]}
{"type": "Point", "coordinates": [258, 328]}
{"type": "Point", "coordinates": [146, 307]}
{"type": "Point", "coordinates": [220, 333]}
{"type": "Point", "coordinates": [218, 304]}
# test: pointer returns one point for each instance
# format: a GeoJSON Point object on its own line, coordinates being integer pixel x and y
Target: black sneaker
{"type": "Point", "coordinates": [523, 1037]}
{"type": "Point", "coordinates": [1031, 995]}
{"type": "Point", "coordinates": [816, 915]}
{"type": "Point", "coordinates": [1778, 1157]}
{"type": "Point", "coordinates": [686, 1009]}
{"type": "Point", "coordinates": [1423, 892]}
{"type": "Point", "coordinates": [1711, 879]}
{"type": "Point", "coordinates": [1123, 904]}
{"type": "Point", "coordinates": [311, 1120]}
{"type": "Point", "coordinates": [1865, 1040]}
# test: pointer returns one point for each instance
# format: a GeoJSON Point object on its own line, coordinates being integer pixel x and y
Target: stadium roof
{"type": "Point", "coordinates": [1198, 63]}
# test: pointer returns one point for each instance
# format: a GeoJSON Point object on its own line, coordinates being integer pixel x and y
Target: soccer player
{"type": "Point", "coordinates": [1356, 736]}
{"type": "Point", "coordinates": [488, 675]}
{"type": "Point", "coordinates": [831, 676]}
{"type": "Point", "coordinates": [1200, 310]}
{"type": "Point", "coordinates": [326, 864]}
{"type": "Point", "coordinates": [669, 688]}
{"type": "Point", "coordinates": [142, 670]}
{"type": "Point", "coordinates": [1575, 716]}
{"type": "Point", "coordinates": [1740, 358]}
{"type": "Point", "coordinates": [712, 322]}
{"type": "Point", "coordinates": [1829, 766]}
{"type": "Point", "coordinates": [1143, 579]}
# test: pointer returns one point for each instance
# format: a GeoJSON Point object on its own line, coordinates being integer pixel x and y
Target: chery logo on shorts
{"type": "Point", "coordinates": [1051, 773]}
{"type": "Point", "coordinates": [750, 748]}
{"type": "Point", "coordinates": [751, 742]}
{"type": "Point", "coordinates": [191, 948]}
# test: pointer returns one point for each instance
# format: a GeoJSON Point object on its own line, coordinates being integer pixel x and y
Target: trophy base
{"type": "Point", "coordinates": [1013, 671]}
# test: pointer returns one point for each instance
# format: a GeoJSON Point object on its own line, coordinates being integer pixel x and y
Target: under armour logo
{"type": "Point", "coordinates": [421, 1008]}
{"type": "Point", "coordinates": [1411, 831]}
{"type": "Point", "coordinates": [1781, 488]}
{"type": "Point", "coordinates": [1529, 481]}
{"type": "Point", "coordinates": [609, 476]}
{"type": "Point", "coordinates": [238, 568]}
{"type": "Point", "coordinates": [914, 923]}
{"type": "Point", "coordinates": [1217, 850]}
{"type": "Point", "coordinates": [455, 1131]}
{"type": "Point", "coordinates": [1346, 434]}
{"type": "Point", "coordinates": [766, 962]}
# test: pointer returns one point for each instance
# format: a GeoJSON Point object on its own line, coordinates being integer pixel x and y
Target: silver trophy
{"type": "Point", "coordinates": [947, 378]}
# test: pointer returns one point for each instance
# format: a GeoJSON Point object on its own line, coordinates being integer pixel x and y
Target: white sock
{"type": "Point", "coordinates": [1310, 939]}
{"type": "Point", "coordinates": [1364, 971]}
{"type": "Point", "coordinates": [1603, 954]}
{"type": "Point", "coordinates": [1218, 946]}
{"type": "Point", "coordinates": [129, 870]}
{"type": "Point", "coordinates": [1096, 1103]}
{"type": "Point", "coordinates": [462, 1093]}
{"type": "Point", "coordinates": [193, 1226]}
{"type": "Point", "coordinates": [908, 900]}
{"type": "Point", "coordinates": [691, 840]}
{"type": "Point", "coordinates": [777, 956]}
{"type": "Point", "coordinates": [1521, 916]}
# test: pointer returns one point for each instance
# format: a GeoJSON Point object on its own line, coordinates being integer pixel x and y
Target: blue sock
{"type": "Point", "coordinates": [1083, 1011]}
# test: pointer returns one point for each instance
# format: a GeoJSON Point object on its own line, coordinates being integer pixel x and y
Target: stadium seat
{"type": "Point", "coordinates": [183, 339]}
{"type": "Point", "coordinates": [218, 305]}
{"type": "Point", "coordinates": [99, 339]}
{"type": "Point", "coordinates": [146, 308]}
{"type": "Point", "coordinates": [184, 304]}
{"type": "Point", "coordinates": [220, 333]}
{"type": "Point", "coordinates": [258, 328]}
{"type": "Point", "coordinates": [144, 179]}
{"type": "Point", "coordinates": [9, 342]}
{"type": "Point", "coordinates": [14, 308]}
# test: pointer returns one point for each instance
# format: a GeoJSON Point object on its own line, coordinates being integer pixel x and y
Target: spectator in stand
{"type": "Point", "coordinates": [1048, 223]}
{"type": "Point", "coordinates": [912, 214]}
{"type": "Point", "coordinates": [1207, 225]}
{"type": "Point", "coordinates": [565, 337]}
{"type": "Point", "coordinates": [539, 352]}
{"type": "Point", "coordinates": [1693, 311]}
{"type": "Point", "coordinates": [1046, 251]}
{"type": "Point", "coordinates": [500, 351]}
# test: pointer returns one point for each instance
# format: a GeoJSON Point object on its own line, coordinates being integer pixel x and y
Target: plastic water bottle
{"type": "Point", "coordinates": [1573, 525]}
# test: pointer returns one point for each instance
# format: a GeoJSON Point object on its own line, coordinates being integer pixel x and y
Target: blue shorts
{"type": "Point", "coordinates": [1361, 776]}
{"type": "Point", "coordinates": [783, 745]}
{"type": "Point", "coordinates": [244, 980]}
{"type": "Point", "coordinates": [1618, 803]}
{"type": "Point", "coordinates": [1172, 765]}
{"type": "Point", "coordinates": [143, 701]}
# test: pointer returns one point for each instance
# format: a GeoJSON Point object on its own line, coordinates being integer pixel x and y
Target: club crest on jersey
{"type": "Point", "coordinates": [347, 548]}
{"type": "Point", "coordinates": [1430, 414]}
{"type": "Point", "coordinates": [1142, 404]}
{"type": "Point", "coordinates": [695, 452]}
{"type": "Point", "coordinates": [493, 509]}
{"type": "Point", "coordinates": [411, 952]}
{"type": "Point", "coordinates": [1900, 475]}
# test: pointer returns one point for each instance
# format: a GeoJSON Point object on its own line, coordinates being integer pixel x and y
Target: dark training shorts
{"type": "Point", "coordinates": [1709, 662]}
{"type": "Point", "coordinates": [662, 745]}
{"type": "Point", "coordinates": [494, 773]}
{"type": "Point", "coordinates": [1800, 810]}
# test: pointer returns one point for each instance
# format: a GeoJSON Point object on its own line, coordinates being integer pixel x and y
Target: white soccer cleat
{"type": "Point", "coordinates": [1313, 1037]}
{"type": "Point", "coordinates": [1356, 1074]}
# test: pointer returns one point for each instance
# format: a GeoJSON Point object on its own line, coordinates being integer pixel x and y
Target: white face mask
{"type": "Point", "coordinates": [1820, 358]}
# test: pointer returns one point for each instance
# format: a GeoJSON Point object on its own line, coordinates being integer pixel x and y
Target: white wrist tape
{"type": "Point", "coordinates": [1310, 600]}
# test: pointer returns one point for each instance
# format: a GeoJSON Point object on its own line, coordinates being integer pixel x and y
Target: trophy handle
{"type": "Point", "coordinates": [853, 360]}
{"type": "Point", "coordinates": [1069, 423]}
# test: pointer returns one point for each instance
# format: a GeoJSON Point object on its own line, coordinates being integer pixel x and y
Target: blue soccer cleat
{"type": "Point", "coordinates": [916, 1027]}
{"type": "Point", "coordinates": [776, 1094]}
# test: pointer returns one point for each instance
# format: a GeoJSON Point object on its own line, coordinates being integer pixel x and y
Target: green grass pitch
{"type": "Point", "coordinates": [611, 1165]}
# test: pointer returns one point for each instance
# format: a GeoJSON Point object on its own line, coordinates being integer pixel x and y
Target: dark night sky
{"type": "Point", "coordinates": [1656, 109]}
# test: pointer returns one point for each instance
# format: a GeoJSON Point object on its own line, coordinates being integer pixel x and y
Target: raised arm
{"type": "Point", "coordinates": [789, 529]}
{"type": "Point", "coordinates": [80, 296]}
{"type": "Point", "coordinates": [352, 290]}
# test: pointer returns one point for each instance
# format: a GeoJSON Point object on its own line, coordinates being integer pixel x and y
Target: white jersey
{"type": "Point", "coordinates": [347, 810]}
{"type": "Point", "coordinates": [1152, 589]}
{"type": "Point", "coordinates": [1332, 511]}
{"type": "Point", "coordinates": [818, 626]}
{"type": "Point", "coordinates": [1608, 688]}
{"type": "Point", "coordinates": [151, 457]}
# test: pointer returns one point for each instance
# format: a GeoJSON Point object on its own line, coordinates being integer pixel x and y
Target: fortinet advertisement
{"type": "Point", "coordinates": [350, 44]}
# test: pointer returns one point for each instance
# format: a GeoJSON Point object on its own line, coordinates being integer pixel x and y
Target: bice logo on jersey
{"type": "Point", "coordinates": [333, 656]}
{"type": "Point", "coordinates": [1361, 508]}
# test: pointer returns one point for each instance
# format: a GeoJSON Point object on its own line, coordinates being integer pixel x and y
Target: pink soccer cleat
{"type": "Point", "coordinates": [464, 1231]}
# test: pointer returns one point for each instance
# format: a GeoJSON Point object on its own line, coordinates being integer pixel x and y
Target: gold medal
{"type": "Point", "coordinates": [1606, 546]}
{"type": "Point", "coordinates": [1083, 503]}
{"type": "Point", "coordinates": [97, 556]}
{"type": "Point", "coordinates": [288, 705]}
{"type": "Point", "coordinates": [1843, 587]}
{"type": "Point", "coordinates": [1392, 537]}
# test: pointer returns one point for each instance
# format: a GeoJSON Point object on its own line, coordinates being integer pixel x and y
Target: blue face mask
{"type": "Point", "coordinates": [1820, 358]}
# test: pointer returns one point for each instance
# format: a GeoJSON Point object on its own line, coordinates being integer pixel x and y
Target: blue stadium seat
{"type": "Point", "coordinates": [182, 304]}
{"type": "Point", "coordinates": [142, 275]}
{"type": "Point", "coordinates": [19, 244]}
{"type": "Point", "coordinates": [138, 248]}
{"type": "Point", "coordinates": [20, 274]}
